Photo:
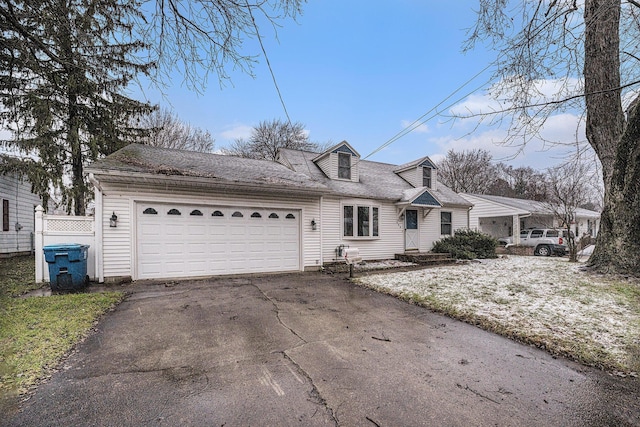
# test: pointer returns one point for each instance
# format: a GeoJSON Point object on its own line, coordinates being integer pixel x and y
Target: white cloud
{"type": "Point", "coordinates": [236, 131]}
{"type": "Point", "coordinates": [418, 129]}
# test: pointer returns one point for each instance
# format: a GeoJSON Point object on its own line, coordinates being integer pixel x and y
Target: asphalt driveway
{"type": "Point", "coordinates": [311, 350]}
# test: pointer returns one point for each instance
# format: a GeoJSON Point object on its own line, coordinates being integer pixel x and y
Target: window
{"type": "Point", "coordinates": [217, 213]}
{"type": "Point", "coordinates": [150, 211]}
{"type": "Point", "coordinates": [290, 216]}
{"type": "Point", "coordinates": [365, 219]}
{"type": "Point", "coordinates": [5, 215]}
{"type": "Point", "coordinates": [536, 234]}
{"type": "Point", "coordinates": [256, 215]}
{"type": "Point", "coordinates": [174, 212]}
{"type": "Point", "coordinates": [196, 212]}
{"type": "Point", "coordinates": [426, 177]}
{"type": "Point", "coordinates": [237, 214]}
{"type": "Point", "coordinates": [274, 215]}
{"type": "Point", "coordinates": [445, 223]}
{"type": "Point", "coordinates": [553, 233]}
{"type": "Point", "coordinates": [344, 165]}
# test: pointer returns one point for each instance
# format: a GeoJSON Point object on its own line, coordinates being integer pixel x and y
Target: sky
{"type": "Point", "coordinates": [361, 71]}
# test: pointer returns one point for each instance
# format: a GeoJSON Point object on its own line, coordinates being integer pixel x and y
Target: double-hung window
{"type": "Point", "coordinates": [360, 221]}
{"type": "Point", "coordinates": [344, 165]}
{"type": "Point", "coordinates": [445, 224]}
{"type": "Point", "coordinates": [426, 177]}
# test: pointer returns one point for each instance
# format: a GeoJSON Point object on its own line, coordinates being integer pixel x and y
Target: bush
{"type": "Point", "coordinates": [467, 244]}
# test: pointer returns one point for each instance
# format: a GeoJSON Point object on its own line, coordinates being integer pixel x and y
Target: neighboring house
{"type": "Point", "coordinates": [168, 213]}
{"type": "Point", "coordinates": [18, 215]}
{"type": "Point", "coordinates": [505, 216]}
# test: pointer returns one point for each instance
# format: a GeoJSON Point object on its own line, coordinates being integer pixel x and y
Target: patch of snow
{"type": "Point", "coordinates": [535, 296]}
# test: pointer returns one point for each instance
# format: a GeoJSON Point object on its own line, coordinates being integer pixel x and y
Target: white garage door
{"type": "Point", "coordinates": [190, 241]}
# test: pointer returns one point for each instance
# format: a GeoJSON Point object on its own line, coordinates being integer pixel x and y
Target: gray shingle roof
{"type": "Point", "coordinates": [377, 180]}
{"type": "Point", "coordinates": [532, 206]}
{"type": "Point", "coordinates": [144, 159]}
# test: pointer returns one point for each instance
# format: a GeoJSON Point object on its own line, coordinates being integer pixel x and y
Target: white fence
{"type": "Point", "coordinates": [57, 229]}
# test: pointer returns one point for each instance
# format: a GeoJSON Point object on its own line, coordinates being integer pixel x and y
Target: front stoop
{"type": "Point", "coordinates": [426, 258]}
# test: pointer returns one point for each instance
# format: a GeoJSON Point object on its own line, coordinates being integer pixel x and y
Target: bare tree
{"type": "Point", "coordinates": [269, 137]}
{"type": "Point", "coordinates": [196, 37]}
{"type": "Point", "coordinates": [577, 47]}
{"type": "Point", "coordinates": [468, 171]}
{"type": "Point", "coordinates": [568, 190]}
{"type": "Point", "coordinates": [520, 183]}
{"type": "Point", "coordinates": [167, 130]}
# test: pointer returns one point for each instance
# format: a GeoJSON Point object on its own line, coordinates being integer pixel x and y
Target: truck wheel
{"type": "Point", "coordinates": [543, 250]}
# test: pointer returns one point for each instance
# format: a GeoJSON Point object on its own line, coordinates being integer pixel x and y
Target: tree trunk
{"type": "Point", "coordinates": [617, 244]}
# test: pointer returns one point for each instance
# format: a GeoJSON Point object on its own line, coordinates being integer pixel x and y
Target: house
{"type": "Point", "coordinates": [18, 204]}
{"type": "Point", "coordinates": [168, 213]}
{"type": "Point", "coordinates": [505, 216]}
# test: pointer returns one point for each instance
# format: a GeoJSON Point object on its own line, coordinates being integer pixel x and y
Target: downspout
{"type": "Point", "coordinates": [98, 231]}
{"type": "Point", "coordinates": [469, 218]}
{"type": "Point", "coordinates": [321, 236]}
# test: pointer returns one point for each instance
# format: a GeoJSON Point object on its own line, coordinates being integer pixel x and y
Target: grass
{"type": "Point", "coordinates": [37, 332]}
{"type": "Point", "coordinates": [546, 302]}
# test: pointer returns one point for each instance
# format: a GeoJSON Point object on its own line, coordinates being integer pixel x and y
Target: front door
{"type": "Point", "coordinates": [411, 234]}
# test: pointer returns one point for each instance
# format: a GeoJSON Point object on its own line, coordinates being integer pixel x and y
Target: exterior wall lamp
{"type": "Point", "coordinates": [113, 221]}
{"type": "Point", "coordinates": [314, 225]}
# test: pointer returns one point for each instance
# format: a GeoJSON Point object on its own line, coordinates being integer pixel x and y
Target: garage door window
{"type": "Point", "coordinates": [256, 215]}
{"type": "Point", "coordinates": [196, 212]}
{"type": "Point", "coordinates": [150, 211]}
{"type": "Point", "coordinates": [237, 214]}
{"type": "Point", "coordinates": [274, 215]}
{"type": "Point", "coordinates": [290, 216]}
{"type": "Point", "coordinates": [174, 212]}
{"type": "Point", "coordinates": [217, 213]}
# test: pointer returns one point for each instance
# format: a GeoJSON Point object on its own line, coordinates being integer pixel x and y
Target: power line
{"type": "Point", "coordinates": [419, 121]}
{"type": "Point", "coordinates": [266, 57]}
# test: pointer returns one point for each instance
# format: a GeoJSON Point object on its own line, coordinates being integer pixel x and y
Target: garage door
{"type": "Point", "coordinates": [190, 241]}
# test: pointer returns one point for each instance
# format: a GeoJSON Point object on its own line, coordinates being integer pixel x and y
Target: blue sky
{"type": "Point", "coordinates": [361, 71]}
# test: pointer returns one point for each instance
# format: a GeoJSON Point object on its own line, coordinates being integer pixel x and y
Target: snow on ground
{"type": "Point", "coordinates": [544, 301]}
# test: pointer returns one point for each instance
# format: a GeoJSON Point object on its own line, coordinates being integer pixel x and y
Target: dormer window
{"type": "Point", "coordinates": [426, 177]}
{"type": "Point", "coordinates": [344, 165]}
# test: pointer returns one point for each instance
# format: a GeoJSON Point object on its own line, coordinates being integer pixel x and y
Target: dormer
{"type": "Point", "coordinates": [419, 173]}
{"type": "Point", "coordinates": [340, 162]}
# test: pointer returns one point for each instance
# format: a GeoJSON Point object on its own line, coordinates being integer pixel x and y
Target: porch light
{"type": "Point", "coordinates": [314, 225]}
{"type": "Point", "coordinates": [113, 221]}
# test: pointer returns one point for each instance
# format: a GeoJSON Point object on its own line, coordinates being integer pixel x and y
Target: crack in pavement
{"type": "Point", "coordinates": [315, 393]}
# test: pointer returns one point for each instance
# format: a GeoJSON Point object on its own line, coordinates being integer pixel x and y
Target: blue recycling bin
{"type": "Point", "coordinates": [67, 266]}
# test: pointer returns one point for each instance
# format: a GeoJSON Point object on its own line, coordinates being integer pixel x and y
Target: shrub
{"type": "Point", "coordinates": [467, 244]}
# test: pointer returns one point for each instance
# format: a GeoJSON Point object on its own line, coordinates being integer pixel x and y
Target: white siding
{"type": "Point", "coordinates": [325, 166]}
{"type": "Point", "coordinates": [119, 242]}
{"type": "Point", "coordinates": [483, 208]}
{"type": "Point", "coordinates": [390, 230]}
{"type": "Point", "coordinates": [430, 226]}
{"type": "Point", "coordinates": [411, 176]}
{"type": "Point", "coordinates": [21, 210]}
{"type": "Point", "coordinates": [333, 167]}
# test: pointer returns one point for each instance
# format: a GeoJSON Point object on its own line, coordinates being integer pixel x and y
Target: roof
{"type": "Point", "coordinates": [377, 180]}
{"type": "Point", "coordinates": [179, 167]}
{"type": "Point", "coordinates": [425, 161]}
{"type": "Point", "coordinates": [214, 169]}
{"type": "Point", "coordinates": [531, 206]}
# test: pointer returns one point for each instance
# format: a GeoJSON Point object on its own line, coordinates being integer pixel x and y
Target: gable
{"type": "Point", "coordinates": [428, 163]}
{"type": "Point", "coordinates": [426, 199]}
{"type": "Point", "coordinates": [345, 149]}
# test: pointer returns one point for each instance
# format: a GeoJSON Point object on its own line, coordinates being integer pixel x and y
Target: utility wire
{"type": "Point", "coordinates": [421, 120]}
{"type": "Point", "coordinates": [266, 57]}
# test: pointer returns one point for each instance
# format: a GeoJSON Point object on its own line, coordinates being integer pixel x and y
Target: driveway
{"type": "Point", "coordinates": [311, 350]}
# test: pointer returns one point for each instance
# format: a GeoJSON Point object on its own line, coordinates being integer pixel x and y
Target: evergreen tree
{"type": "Point", "coordinates": [64, 67]}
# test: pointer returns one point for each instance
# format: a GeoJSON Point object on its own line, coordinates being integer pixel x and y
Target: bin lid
{"type": "Point", "coordinates": [65, 247]}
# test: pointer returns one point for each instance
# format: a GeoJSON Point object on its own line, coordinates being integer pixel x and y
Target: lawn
{"type": "Point", "coordinates": [37, 332]}
{"type": "Point", "coordinates": [546, 302]}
